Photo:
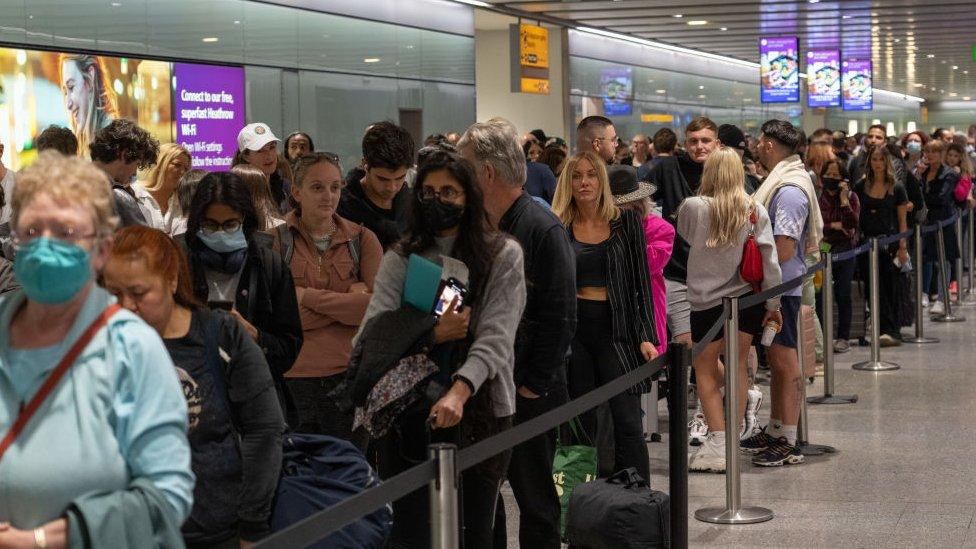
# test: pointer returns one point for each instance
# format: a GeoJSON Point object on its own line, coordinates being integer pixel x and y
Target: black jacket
{"type": "Point", "coordinates": [629, 292]}
{"type": "Point", "coordinates": [548, 324]}
{"type": "Point", "coordinates": [127, 206]}
{"type": "Point", "coordinates": [354, 206]}
{"type": "Point", "coordinates": [266, 298]}
{"type": "Point", "coordinates": [672, 190]}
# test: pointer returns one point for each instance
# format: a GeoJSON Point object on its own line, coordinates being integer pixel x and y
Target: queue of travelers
{"type": "Point", "coordinates": [167, 328]}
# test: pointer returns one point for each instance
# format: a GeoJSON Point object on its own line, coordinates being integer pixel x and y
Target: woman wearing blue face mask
{"type": "Point", "coordinates": [233, 267]}
{"type": "Point", "coordinates": [93, 447]}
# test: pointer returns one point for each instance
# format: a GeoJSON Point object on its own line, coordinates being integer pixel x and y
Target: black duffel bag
{"type": "Point", "coordinates": [618, 512]}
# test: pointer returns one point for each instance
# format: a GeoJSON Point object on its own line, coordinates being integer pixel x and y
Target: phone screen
{"type": "Point", "coordinates": [448, 293]}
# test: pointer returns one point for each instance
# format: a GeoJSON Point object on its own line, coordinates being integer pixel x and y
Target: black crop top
{"type": "Point", "coordinates": [591, 263]}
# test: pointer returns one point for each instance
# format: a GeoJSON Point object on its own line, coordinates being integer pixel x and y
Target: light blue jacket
{"type": "Point", "coordinates": [117, 415]}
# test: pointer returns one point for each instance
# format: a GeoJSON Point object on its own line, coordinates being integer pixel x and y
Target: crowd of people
{"type": "Point", "coordinates": [163, 328]}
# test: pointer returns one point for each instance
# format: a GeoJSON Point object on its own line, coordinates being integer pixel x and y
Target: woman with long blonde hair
{"type": "Point", "coordinates": [88, 96]}
{"type": "Point", "coordinates": [615, 315]}
{"type": "Point", "coordinates": [716, 224]}
{"type": "Point", "coordinates": [157, 191]}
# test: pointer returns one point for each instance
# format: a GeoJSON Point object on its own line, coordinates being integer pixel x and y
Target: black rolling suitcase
{"type": "Point", "coordinates": [618, 512]}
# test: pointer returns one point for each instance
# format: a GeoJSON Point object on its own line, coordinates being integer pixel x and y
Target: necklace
{"type": "Point", "coordinates": [328, 234]}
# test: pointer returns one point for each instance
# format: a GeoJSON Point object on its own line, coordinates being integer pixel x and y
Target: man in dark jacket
{"type": "Point", "coordinates": [547, 327]}
{"type": "Point", "coordinates": [379, 200]}
{"type": "Point", "coordinates": [678, 177]}
{"type": "Point", "coordinates": [120, 150]}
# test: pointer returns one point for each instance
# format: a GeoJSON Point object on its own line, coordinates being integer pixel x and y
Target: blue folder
{"type": "Point", "coordinates": [422, 281]}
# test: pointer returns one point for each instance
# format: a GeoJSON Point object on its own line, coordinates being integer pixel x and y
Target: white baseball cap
{"type": "Point", "coordinates": [255, 136]}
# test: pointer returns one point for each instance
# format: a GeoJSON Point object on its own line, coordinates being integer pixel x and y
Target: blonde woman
{"type": "Point", "coordinates": [716, 224]}
{"type": "Point", "coordinates": [88, 96]}
{"type": "Point", "coordinates": [157, 192]}
{"type": "Point", "coordinates": [615, 316]}
{"type": "Point", "coordinates": [268, 218]}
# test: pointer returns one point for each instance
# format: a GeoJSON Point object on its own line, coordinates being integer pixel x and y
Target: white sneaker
{"type": "Point", "coordinates": [937, 308]}
{"type": "Point", "coordinates": [710, 456]}
{"type": "Point", "coordinates": [697, 429]}
{"type": "Point", "coordinates": [925, 301]}
{"type": "Point", "coordinates": [753, 405]}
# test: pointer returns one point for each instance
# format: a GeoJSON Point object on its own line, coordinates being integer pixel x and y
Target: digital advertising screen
{"type": "Point", "coordinates": [823, 78]}
{"type": "Point", "coordinates": [86, 92]}
{"type": "Point", "coordinates": [209, 112]}
{"type": "Point", "coordinates": [779, 70]}
{"type": "Point", "coordinates": [858, 93]}
{"type": "Point", "coordinates": [617, 88]}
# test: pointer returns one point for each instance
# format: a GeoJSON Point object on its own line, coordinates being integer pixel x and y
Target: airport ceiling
{"type": "Point", "coordinates": [919, 48]}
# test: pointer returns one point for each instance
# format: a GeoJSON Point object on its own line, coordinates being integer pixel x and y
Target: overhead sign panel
{"type": "Point", "coordinates": [857, 85]}
{"type": "Point", "coordinates": [779, 69]}
{"type": "Point", "coordinates": [823, 78]}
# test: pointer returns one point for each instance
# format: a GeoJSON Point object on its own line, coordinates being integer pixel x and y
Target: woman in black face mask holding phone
{"type": "Point", "coordinates": [840, 209]}
{"type": "Point", "coordinates": [471, 347]}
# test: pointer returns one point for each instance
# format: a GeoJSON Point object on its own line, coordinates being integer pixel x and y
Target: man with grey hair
{"type": "Point", "coordinates": [547, 326]}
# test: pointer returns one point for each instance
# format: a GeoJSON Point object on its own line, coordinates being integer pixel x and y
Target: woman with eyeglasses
{"type": "Point", "coordinates": [939, 183]}
{"type": "Point", "coordinates": [472, 347]}
{"type": "Point", "coordinates": [615, 315]}
{"type": "Point", "coordinates": [235, 420]}
{"type": "Point", "coordinates": [104, 459]}
{"type": "Point", "coordinates": [334, 263]}
{"type": "Point", "coordinates": [235, 270]}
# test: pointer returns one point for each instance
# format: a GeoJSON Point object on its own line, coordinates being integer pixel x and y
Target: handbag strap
{"type": "Point", "coordinates": [28, 411]}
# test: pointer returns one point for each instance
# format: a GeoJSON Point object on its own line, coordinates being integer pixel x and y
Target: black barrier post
{"type": "Point", "coordinates": [733, 512]}
{"type": "Point", "coordinates": [920, 337]}
{"type": "Point", "coordinates": [875, 364]}
{"type": "Point", "coordinates": [970, 289]}
{"type": "Point", "coordinates": [678, 439]}
{"type": "Point", "coordinates": [444, 530]}
{"type": "Point", "coordinates": [948, 316]}
{"type": "Point", "coordinates": [962, 297]}
{"type": "Point", "coordinates": [802, 428]}
{"type": "Point", "coordinates": [828, 335]}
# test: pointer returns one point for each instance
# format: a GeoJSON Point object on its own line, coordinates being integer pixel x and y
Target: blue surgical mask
{"type": "Point", "coordinates": [913, 147]}
{"type": "Point", "coordinates": [222, 241]}
{"type": "Point", "coordinates": [52, 271]}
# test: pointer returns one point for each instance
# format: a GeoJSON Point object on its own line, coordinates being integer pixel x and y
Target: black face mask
{"type": "Point", "coordinates": [831, 184]}
{"type": "Point", "coordinates": [440, 215]}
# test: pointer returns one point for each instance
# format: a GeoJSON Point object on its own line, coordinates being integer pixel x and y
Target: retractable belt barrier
{"type": "Point", "coordinates": [677, 359]}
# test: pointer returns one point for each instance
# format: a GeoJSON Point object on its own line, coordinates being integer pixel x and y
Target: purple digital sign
{"type": "Point", "coordinates": [779, 70]}
{"type": "Point", "coordinates": [857, 86]}
{"type": "Point", "coordinates": [208, 106]}
{"type": "Point", "coordinates": [823, 78]}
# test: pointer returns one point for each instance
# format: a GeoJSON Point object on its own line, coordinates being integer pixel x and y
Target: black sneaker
{"type": "Point", "coordinates": [757, 442]}
{"type": "Point", "coordinates": [779, 452]}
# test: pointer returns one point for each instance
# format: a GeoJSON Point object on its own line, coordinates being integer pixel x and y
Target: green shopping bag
{"type": "Point", "coordinates": [572, 466]}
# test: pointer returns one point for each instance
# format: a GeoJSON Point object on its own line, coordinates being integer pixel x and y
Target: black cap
{"type": "Point", "coordinates": [731, 136]}
{"type": "Point", "coordinates": [624, 184]}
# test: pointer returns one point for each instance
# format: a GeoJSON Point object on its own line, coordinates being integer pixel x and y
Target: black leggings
{"type": "Point", "coordinates": [595, 363]}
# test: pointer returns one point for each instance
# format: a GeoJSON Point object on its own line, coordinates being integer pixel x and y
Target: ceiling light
{"type": "Point", "coordinates": [237, 21]}
{"type": "Point", "coordinates": [661, 91]}
{"type": "Point", "coordinates": [211, 39]}
{"type": "Point", "coordinates": [724, 29]}
{"type": "Point", "coordinates": [701, 87]}
{"type": "Point", "coordinates": [953, 94]}
{"type": "Point", "coordinates": [846, 16]}
{"type": "Point", "coordinates": [930, 55]}
{"type": "Point", "coordinates": [371, 60]}
{"type": "Point", "coordinates": [678, 15]}
{"type": "Point", "coordinates": [814, 1]}
{"type": "Point", "coordinates": [697, 22]}
{"type": "Point", "coordinates": [116, 4]}
{"type": "Point", "coordinates": [965, 72]}
{"type": "Point", "coordinates": [967, 98]}
{"type": "Point", "coordinates": [701, 97]}
{"type": "Point", "coordinates": [955, 67]}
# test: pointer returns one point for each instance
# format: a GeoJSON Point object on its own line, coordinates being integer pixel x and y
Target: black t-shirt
{"type": "Point", "coordinates": [691, 170]}
{"type": "Point", "coordinates": [879, 216]}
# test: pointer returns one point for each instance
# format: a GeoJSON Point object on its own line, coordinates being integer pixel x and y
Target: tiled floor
{"type": "Point", "coordinates": [904, 474]}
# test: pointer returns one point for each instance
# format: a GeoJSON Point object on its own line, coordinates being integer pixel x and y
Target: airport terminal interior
{"type": "Point", "coordinates": [462, 273]}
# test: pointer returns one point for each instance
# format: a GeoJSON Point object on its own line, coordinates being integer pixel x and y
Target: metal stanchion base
{"type": "Point", "coordinates": [879, 366]}
{"type": "Point", "coordinates": [920, 340]}
{"type": "Point", "coordinates": [808, 449]}
{"type": "Point", "coordinates": [832, 399]}
{"type": "Point", "coordinates": [745, 515]}
{"type": "Point", "coordinates": [948, 318]}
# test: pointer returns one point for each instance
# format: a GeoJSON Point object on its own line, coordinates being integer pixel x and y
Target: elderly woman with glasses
{"type": "Point", "coordinates": [94, 450]}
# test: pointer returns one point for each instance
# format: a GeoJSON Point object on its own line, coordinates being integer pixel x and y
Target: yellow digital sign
{"type": "Point", "coordinates": [535, 85]}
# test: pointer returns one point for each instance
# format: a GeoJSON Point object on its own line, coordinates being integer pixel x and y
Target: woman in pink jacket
{"type": "Point", "coordinates": [630, 194]}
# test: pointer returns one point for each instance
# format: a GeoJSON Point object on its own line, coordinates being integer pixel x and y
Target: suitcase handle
{"type": "Point", "coordinates": [628, 478]}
